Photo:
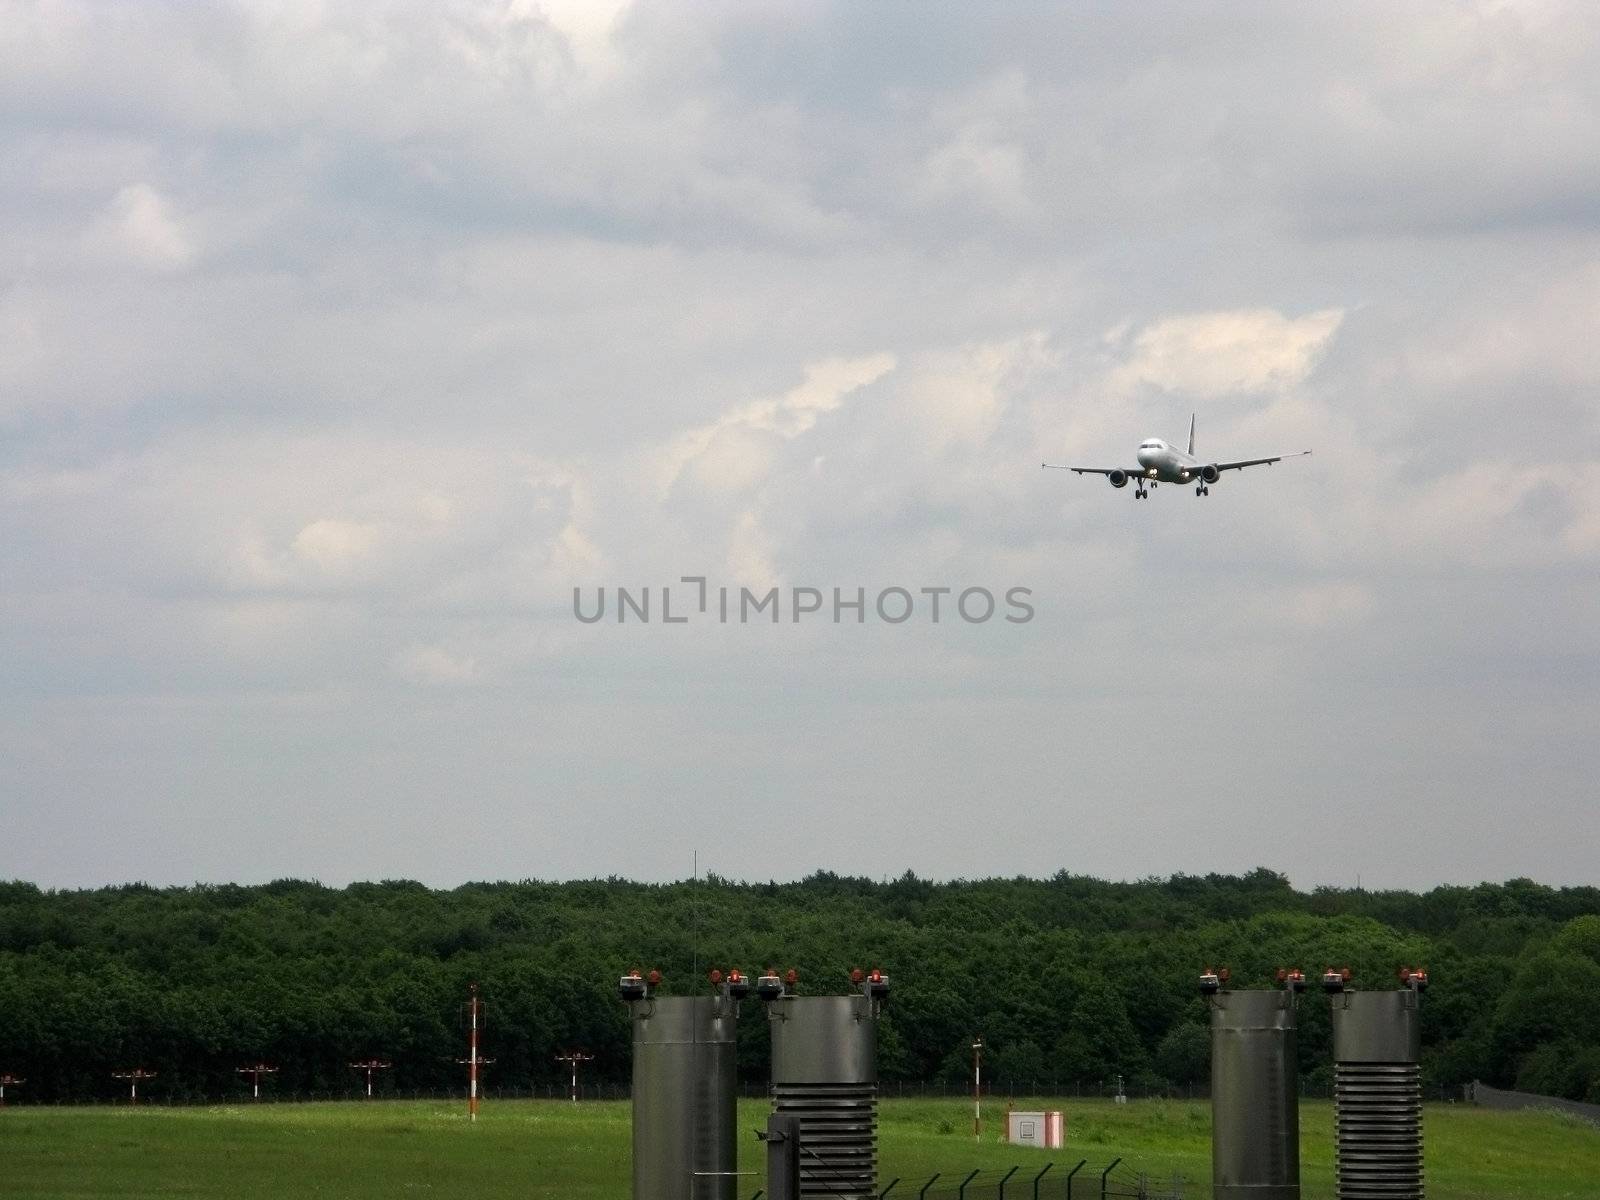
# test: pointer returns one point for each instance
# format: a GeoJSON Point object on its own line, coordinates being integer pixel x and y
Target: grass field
{"type": "Point", "coordinates": [551, 1149]}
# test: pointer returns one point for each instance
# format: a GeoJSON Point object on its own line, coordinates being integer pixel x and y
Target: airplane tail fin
{"type": "Point", "coordinates": [1191, 433]}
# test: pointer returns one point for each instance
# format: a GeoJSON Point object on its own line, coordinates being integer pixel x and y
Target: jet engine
{"type": "Point", "coordinates": [1117, 478]}
{"type": "Point", "coordinates": [1209, 473]}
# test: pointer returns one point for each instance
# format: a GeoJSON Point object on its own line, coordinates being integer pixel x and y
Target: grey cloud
{"type": "Point", "coordinates": [337, 350]}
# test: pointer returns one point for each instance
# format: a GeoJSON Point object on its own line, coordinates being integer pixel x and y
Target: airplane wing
{"type": "Point", "coordinates": [1256, 462]}
{"type": "Point", "coordinates": [1130, 472]}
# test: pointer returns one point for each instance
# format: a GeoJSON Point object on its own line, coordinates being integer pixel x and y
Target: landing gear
{"type": "Point", "coordinates": [1140, 494]}
{"type": "Point", "coordinates": [1202, 490]}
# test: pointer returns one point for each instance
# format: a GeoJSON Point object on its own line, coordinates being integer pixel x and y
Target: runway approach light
{"type": "Point", "coordinates": [1414, 978]}
{"type": "Point", "coordinates": [633, 986]}
{"type": "Point", "coordinates": [873, 983]}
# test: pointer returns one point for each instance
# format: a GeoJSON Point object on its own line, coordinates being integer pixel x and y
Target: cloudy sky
{"type": "Point", "coordinates": [340, 342]}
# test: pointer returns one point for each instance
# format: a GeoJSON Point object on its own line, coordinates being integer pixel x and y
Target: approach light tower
{"type": "Point", "coordinates": [474, 1060]}
{"type": "Point", "coordinates": [369, 1066]}
{"type": "Point", "coordinates": [133, 1077]}
{"type": "Point", "coordinates": [8, 1081]}
{"type": "Point", "coordinates": [256, 1071]}
{"type": "Point", "coordinates": [572, 1058]}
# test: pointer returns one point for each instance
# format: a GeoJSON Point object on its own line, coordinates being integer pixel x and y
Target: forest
{"type": "Point", "coordinates": [1068, 979]}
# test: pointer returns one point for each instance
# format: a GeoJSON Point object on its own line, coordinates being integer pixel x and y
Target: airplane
{"type": "Point", "coordinates": [1161, 463]}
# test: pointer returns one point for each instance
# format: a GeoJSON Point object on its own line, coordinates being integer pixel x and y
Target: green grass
{"type": "Point", "coordinates": [550, 1149]}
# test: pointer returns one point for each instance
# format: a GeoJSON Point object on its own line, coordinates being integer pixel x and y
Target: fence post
{"type": "Point", "coordinates": [928, 1185]}
{"type": "Point", "coordinates": [1038, 1177]}
{"type": "Point", "coordinates": [1082, 1162]}
{"type": "Point", "coordinates": [1000, 1191]}
{"type": "Point", "coordinates": [1104, 1174]}
{"type": "Point", "coordinates": [961, 1192]}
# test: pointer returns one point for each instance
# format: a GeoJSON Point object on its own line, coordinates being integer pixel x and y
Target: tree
{"type": "Point", "coordinates": [1184, 1055]}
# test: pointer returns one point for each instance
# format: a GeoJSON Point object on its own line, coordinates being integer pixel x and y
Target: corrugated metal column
{"type": "Point", "coordinates": [685, 1089]}
{"type": "Point", "coordinates": [1377, 1090]}
{"type": "Point", "coordinates": [825, 1073]}
{"type": "Point", "coordinates": [1255, 1103]}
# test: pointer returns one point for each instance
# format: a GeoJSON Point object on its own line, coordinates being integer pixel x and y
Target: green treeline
{"type": "Point", "coordinates": [1069, 979]}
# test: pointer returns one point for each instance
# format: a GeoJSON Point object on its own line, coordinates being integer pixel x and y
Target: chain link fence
{"type": "Point", "coordinates": [1488, 1097]}
{"type": "Point", "coordinates": [996, 1092]}
{"type": "Point", "coordinates": [1082, 1180]}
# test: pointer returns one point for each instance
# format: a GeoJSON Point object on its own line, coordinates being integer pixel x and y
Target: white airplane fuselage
{"type": "Point", "coordinates": [1167, 464]}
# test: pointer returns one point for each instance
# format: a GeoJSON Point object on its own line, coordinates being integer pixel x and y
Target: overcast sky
{"type": "Point", "coordinates": [340, 342]}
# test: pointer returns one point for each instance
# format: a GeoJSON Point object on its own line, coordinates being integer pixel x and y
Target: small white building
{"type": "Point", "coordinates": [1041, 1130]}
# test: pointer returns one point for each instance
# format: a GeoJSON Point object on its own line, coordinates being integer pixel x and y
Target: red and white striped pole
{"type": "Point", "coordinates": [472, 1102]}
{"type": "Point", "coordinates": [474, 1060]}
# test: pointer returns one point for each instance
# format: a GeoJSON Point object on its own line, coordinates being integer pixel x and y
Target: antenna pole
{"type": "Point", "coordinates": [977, 1088]}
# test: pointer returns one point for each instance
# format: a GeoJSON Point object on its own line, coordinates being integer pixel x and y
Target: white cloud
{"type": "Point", "coordinates": [1231, 352]}
{"type": "Point", "coordinates": [139, 225]}
{"type": "Point", "coordinates": [22, 350]}
{"type": "Point", "coordinates": [435, 665]}
{"type": "Point", "coordinates": [1500, 516]}
{"type": "Point", "coordinates": [1312, 606]}
{"type": "Point", "coordinates": [336, 546]}
{"type": "Point", "coordinates": [955, 399]}
{"type": "Point", "coordinates": [979, 159]}
{"type": "Point", "coordinates": [589, 26]}
{"type": "Point", "coordinates": [735, 452]}
{"type": "Point", "coordinates": [575, 556]}
{"type": "Point", "coordinates": [749, 561]}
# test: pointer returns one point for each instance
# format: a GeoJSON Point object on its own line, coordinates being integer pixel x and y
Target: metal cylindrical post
{"type": "Point", "coordinates": [1377, 1095]}
{"type": "Point", "coordinates": [977, 1089]}
{"type": "Point", "coordinates": [1255, 1124]}
{"type": "Point", "coordinates": [783, 1156]}
{"type": "Point", "coordinates": [684, 1095]}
